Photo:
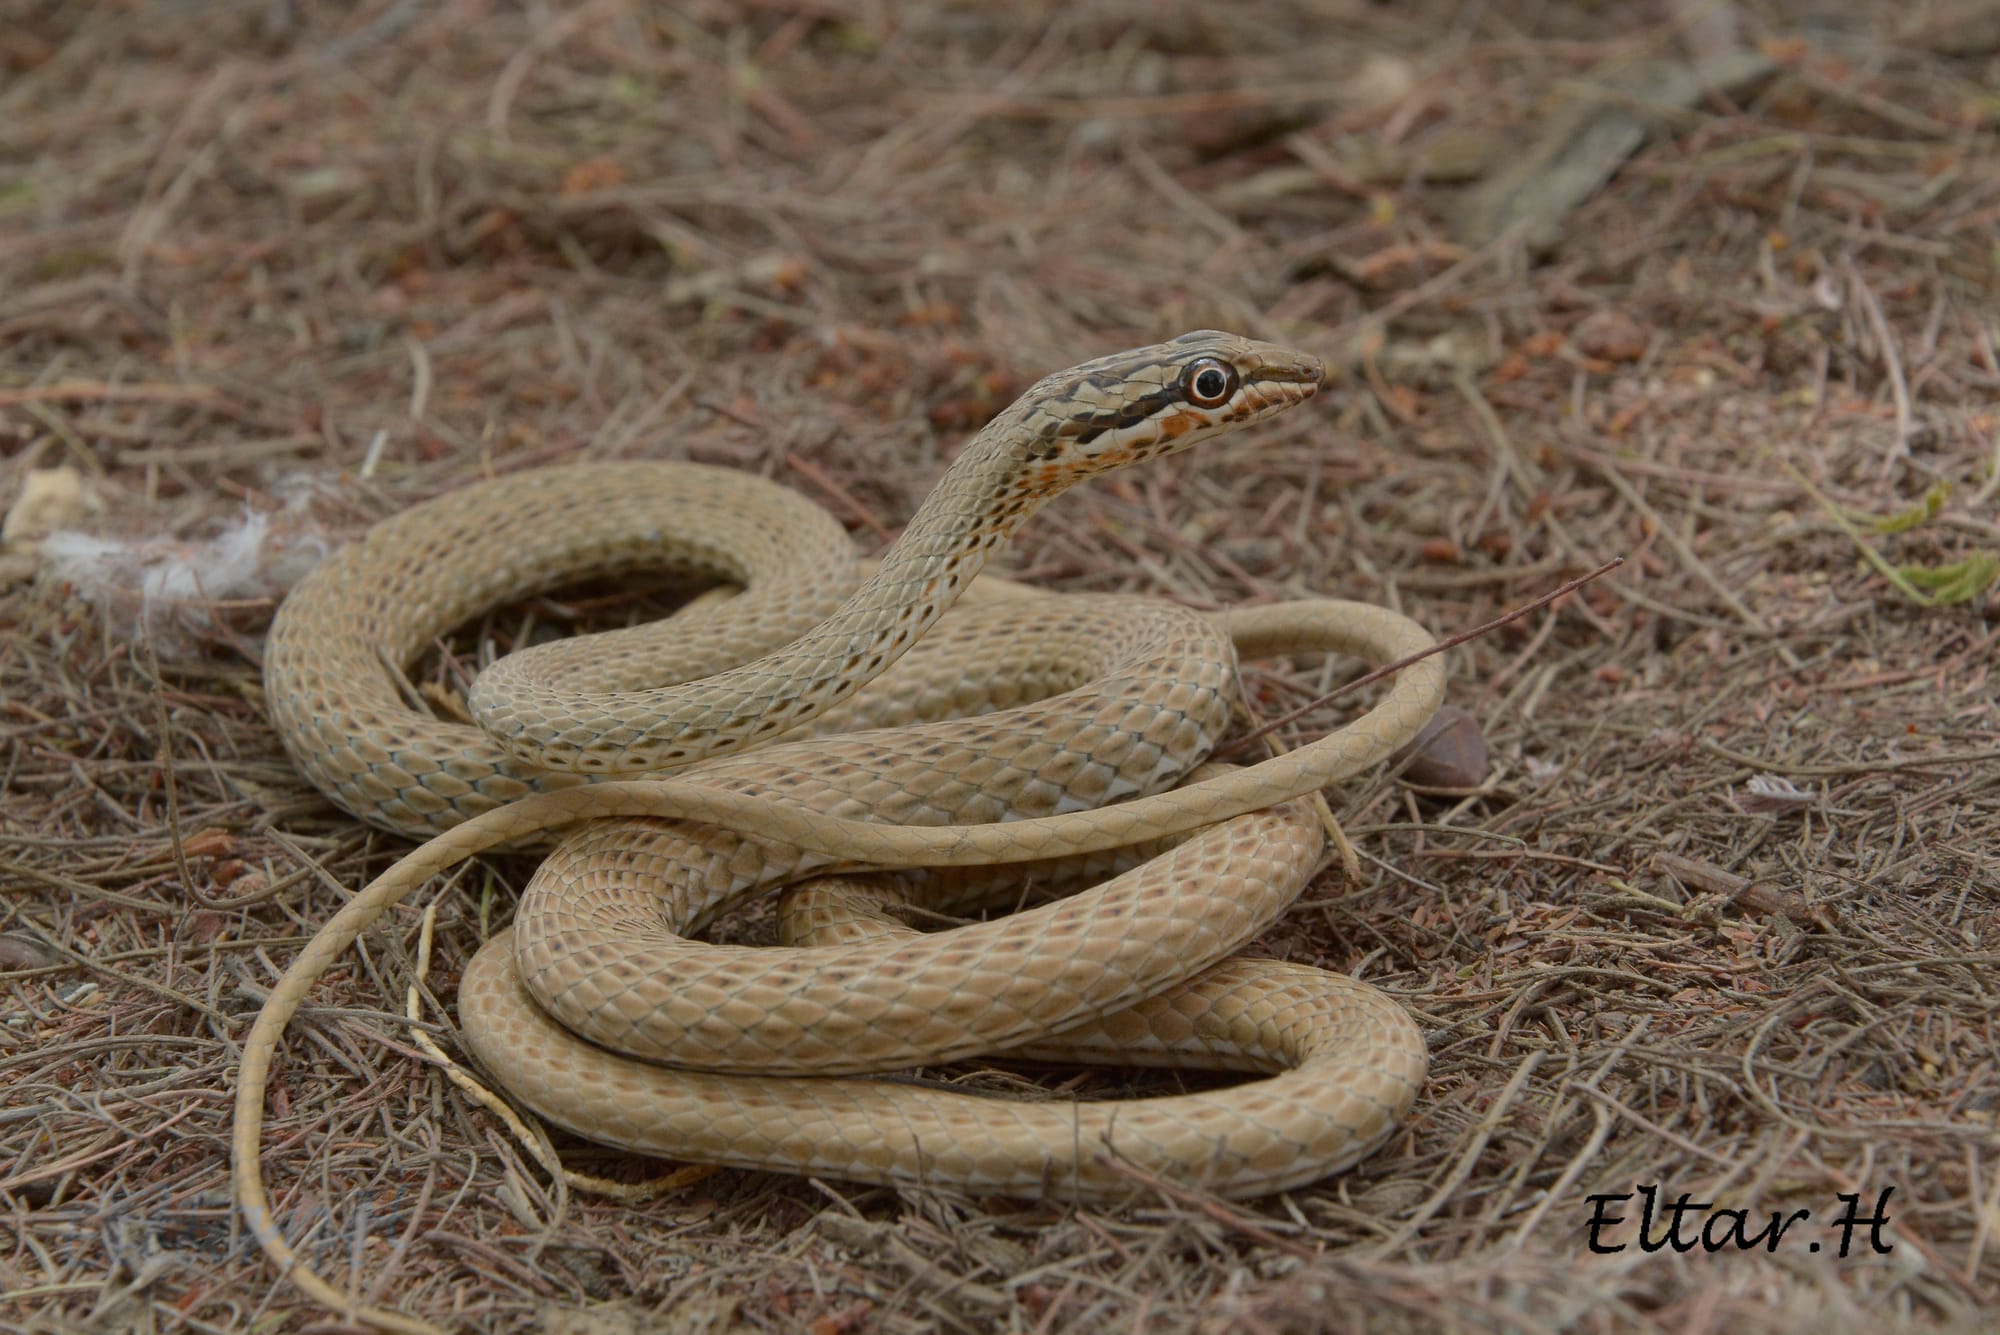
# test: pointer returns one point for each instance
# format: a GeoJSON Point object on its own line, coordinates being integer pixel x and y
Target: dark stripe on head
{"type": "Point", "coordinates": [1083, 430]}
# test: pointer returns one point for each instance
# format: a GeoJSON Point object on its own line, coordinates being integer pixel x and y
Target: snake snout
{"type": "Point", "coordinates": [1283, 382]}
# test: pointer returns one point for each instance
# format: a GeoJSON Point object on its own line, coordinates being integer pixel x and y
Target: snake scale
{"type": "Point", "coordinates": [826, 721]}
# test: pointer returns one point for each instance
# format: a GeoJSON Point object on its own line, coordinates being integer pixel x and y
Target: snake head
{"type": "Point", "coordinates": [1149, 401]}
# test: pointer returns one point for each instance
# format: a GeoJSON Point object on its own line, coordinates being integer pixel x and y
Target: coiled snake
{"type": "Point", "coordinates": [781, 766]}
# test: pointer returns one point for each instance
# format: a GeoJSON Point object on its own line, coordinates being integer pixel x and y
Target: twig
{"type": "Point", "coordinates": [1389, 669]}
{"type": "Point", "coordinates": [1214, 1209]}
{"type": "Point", "coordinates": [91, 391]}
{"type": "Point", "coordinates": [1892, 363]}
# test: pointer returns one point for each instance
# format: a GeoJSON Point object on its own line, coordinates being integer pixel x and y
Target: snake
{"type": "Point", "coordinates": [833, 727]}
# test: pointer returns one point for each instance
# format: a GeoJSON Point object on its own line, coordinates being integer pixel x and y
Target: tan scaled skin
{"type": "Point", "coordinates": [1115, 700]}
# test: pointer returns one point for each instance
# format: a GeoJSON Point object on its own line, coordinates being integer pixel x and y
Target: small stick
{"type": "Point", "coordinates": [1388, 669]}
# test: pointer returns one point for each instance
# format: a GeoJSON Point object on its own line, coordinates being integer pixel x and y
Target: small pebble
{"type": "Point", "coordinates": [18, 952]}
{"type": "Point", "coordinates": [1610, 335]}
{"type": "Point", "coordinates": [1450, 752]}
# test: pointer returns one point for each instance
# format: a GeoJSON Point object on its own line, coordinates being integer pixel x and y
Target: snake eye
{"type": "Point", "coordinates": [1208, 383]}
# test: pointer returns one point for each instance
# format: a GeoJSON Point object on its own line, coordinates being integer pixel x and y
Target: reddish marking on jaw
{"type": "Point", "coordinates": [1047, 479]}
{"type": "Point", "coordinates": [1173, 428]}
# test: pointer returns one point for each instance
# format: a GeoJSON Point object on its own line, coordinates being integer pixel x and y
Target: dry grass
{"type": "Point", "coordinates": [241, 244]}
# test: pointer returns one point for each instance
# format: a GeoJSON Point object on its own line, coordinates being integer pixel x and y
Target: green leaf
{"type": "Point", "coordinates": [1905, 520]}
{"type": "Point", "coordinates": [1959, 582]}
{"type": "Point", "coordinates": [1926, 586]}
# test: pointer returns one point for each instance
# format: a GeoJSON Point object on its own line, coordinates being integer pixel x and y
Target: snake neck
{"type": "Point", "coordinates": [973, 510]}
{"type": "Point", "coordinates": [983, 497]}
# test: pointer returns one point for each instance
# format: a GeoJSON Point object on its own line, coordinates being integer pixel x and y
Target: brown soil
{"type": "Point", "coordinates": [1724, 920]}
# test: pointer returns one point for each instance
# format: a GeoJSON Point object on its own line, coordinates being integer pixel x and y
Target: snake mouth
{"type": "Point", "coordinates": [1271, 389]}
{"type": "Point", "coordinates": [1306, 373]}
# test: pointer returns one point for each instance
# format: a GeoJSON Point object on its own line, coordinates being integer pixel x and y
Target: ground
{"type": "Point", "coordinates": [1722, 921]}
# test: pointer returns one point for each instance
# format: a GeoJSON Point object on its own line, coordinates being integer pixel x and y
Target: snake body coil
{"type": "Point", "coordinates": [771, 757]}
